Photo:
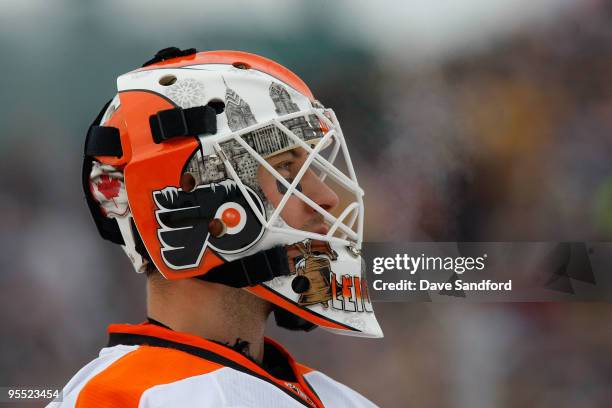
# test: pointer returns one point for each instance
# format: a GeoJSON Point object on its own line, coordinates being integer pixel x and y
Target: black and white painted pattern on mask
{"type": "Point", "coordinates": [187, 93]}
{"type": "Point", "coordinates": [237, 111]}
{"type": "Point", "coordinates": [282, 100]}
{"type": "Point", "coordinates": [305, 129]}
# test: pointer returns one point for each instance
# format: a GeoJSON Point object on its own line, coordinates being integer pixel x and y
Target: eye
{"type": "Point", "coordinates": [284, 168]}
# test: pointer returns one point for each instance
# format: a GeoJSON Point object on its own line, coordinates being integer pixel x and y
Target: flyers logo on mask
{"type": "Point", "coordinates": [184, 220]}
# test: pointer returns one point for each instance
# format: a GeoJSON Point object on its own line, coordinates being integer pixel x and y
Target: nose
{"type": "Point", "coordinates": [319, 192]}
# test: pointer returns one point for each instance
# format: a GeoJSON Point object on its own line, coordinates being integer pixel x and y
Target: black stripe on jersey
{"type": "Point", "coordinates": [128, 339]}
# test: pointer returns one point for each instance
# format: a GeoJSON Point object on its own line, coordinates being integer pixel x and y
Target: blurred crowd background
{"type": "Point", "coordinates": [467, 120]}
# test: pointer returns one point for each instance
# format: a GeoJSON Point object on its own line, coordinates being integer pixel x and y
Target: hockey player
{"type": "Point", "coordinates": [220, 176]}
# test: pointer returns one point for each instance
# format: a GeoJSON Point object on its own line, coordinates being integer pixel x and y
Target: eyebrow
{"type": "Point", "coordinates": [282, 155]}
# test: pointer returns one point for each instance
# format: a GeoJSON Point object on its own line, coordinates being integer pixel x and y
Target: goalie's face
{"type": "Point", "coordinates": [296, 213]}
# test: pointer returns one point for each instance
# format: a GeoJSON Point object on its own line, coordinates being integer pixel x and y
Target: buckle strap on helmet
{"type": "Point", "coordinates": [103, 141]}
{"type": "Point", "coordinates": [251, 270]}
{"type": "Point", "coordinates": [171, 123]}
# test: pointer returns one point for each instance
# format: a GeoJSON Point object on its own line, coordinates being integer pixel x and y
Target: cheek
{"type": "Point", "coordinates": [294, 213]}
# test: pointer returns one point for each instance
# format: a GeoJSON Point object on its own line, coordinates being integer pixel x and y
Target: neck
{"type": "Point", "coordinates": [216, 312]}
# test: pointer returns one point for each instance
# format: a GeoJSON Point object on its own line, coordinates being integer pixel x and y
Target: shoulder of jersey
{"type": "Point", "coordinates": [122, 374]}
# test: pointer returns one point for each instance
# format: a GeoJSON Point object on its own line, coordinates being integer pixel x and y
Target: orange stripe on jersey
{"type": "Point", "coordinates": [303, 369]}
{"type": "Point", "coordinates": [123, 382]}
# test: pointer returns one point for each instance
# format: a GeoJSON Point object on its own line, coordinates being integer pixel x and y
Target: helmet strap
{"type": "Point", "coordinates": [251, 270]}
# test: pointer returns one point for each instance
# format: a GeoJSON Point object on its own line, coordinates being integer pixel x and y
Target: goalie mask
{"type": "Point", "coordinates": [222, 166]}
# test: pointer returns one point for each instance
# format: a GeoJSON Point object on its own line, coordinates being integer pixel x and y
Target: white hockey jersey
{"type": "Point", "coordinates": [149, 366]}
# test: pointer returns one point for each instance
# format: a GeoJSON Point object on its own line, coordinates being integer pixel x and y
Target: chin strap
{"type": "Point", "coordinates": [288, 320]}
{"type": "Point", "coordinates": [251, 270]}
